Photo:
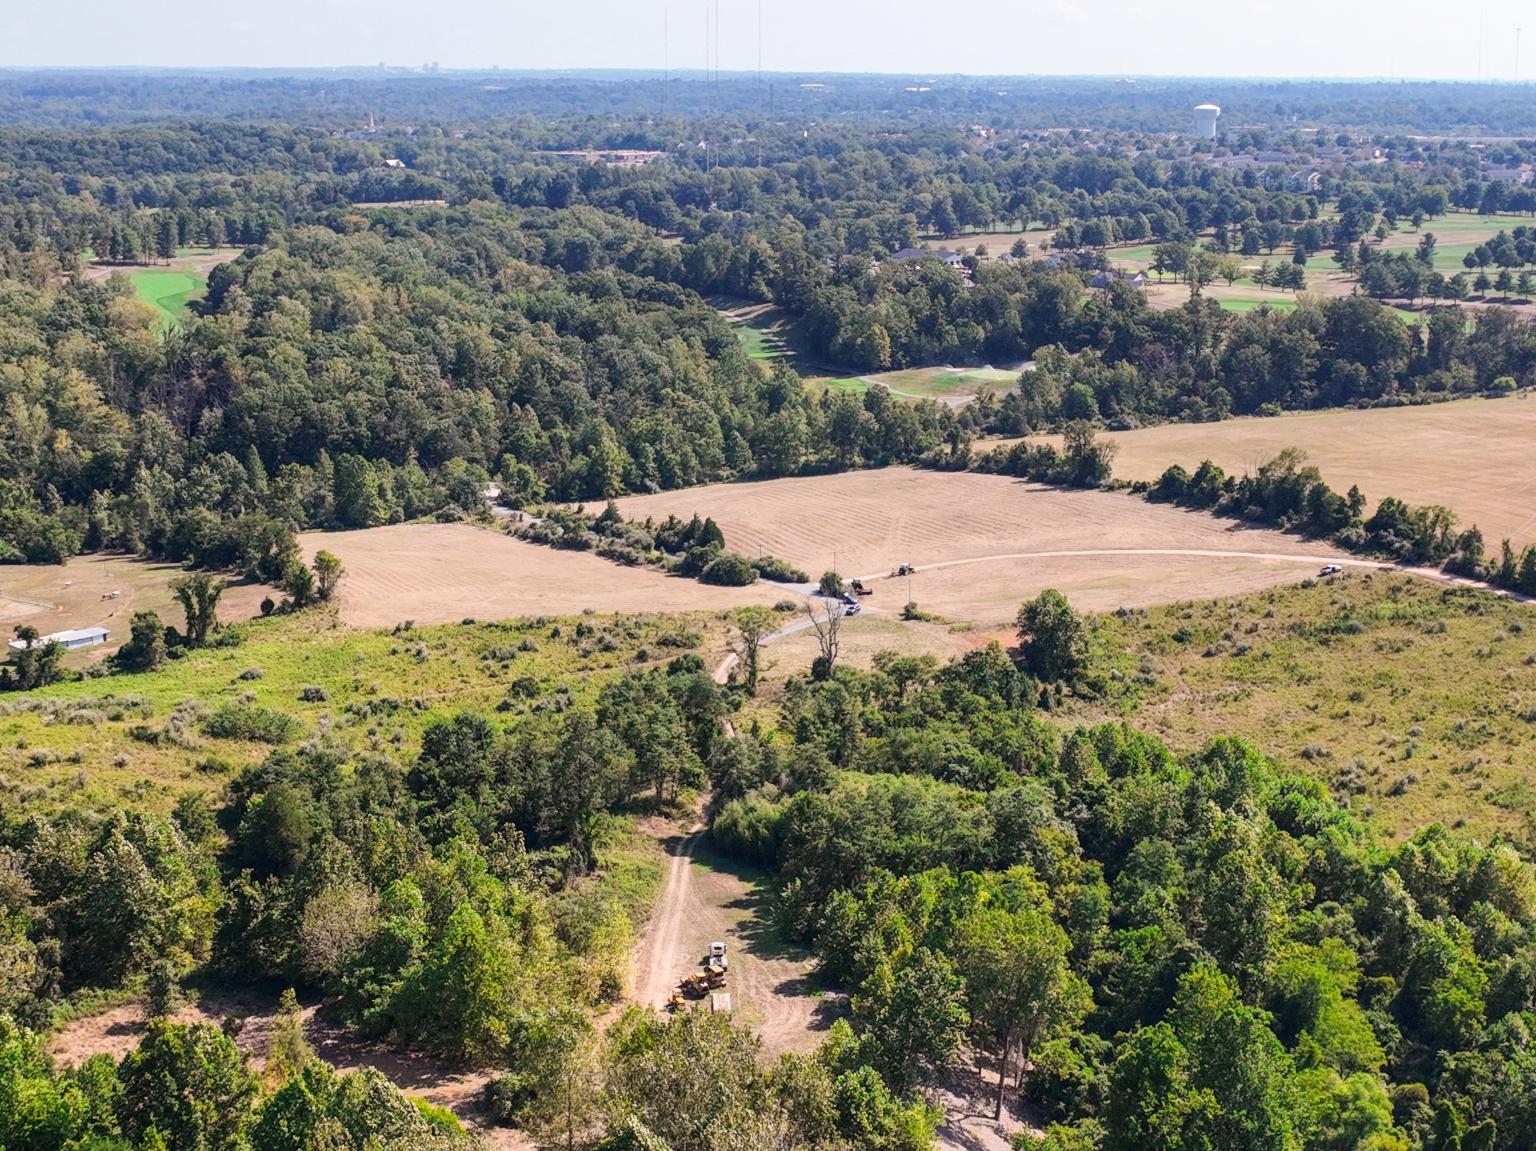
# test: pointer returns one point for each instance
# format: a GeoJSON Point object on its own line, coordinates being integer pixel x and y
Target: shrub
{"type": "Point", "coordinates": [775, 569]}
{"type": "Point", "coordinates": [257, 724]}
{"type": "Point", "coordinates": [750, 829]}
{"type": "Point", "coordinates": [729, 570]}
{"type": "Point", "coordinates": [313, 693]}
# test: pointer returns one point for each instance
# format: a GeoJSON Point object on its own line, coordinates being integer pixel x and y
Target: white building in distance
{"type": "Point", "coordinates": [69, 640]}
{"type": "Point", "coordinates": [1206, 116]}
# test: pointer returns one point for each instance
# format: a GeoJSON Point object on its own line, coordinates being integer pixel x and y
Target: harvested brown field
{"type": "Point", "coordinates": [983, 544]}
{"type": "Point", "coordinates": [75, 594]}
{"type": "Point", "coordinates": [442, 573]}
{"type": "Point", "coordinates": [1477, 457]}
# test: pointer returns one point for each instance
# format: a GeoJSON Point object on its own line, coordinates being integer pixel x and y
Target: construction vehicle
{"type": "Point", "coordinates": [905, 569]}
{"type": "Point", "coordinates": [861, 588]}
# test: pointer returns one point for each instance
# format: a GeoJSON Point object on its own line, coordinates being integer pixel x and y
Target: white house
{"type": "Point", "coordinates": [79, 637]}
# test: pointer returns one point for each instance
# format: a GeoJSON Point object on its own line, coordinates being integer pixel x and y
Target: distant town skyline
{"type": "Point", "coordinates": [1408, 39]}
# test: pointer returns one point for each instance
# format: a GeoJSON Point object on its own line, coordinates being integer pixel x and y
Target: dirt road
{"type": "Point", "coordinates": [708, 898]}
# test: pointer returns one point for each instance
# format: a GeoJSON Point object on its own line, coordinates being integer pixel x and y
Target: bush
{"type": "Point", "coordinates": [750, 829]}
{"type": "Point", "coordinates": [729, 570]}
{"type": "Point", "coordinates": [831, 584]}
{"type": "Point", "coordinates": [257, 724]}
{"type": "Point", "coordinates": [775, 569]}
{"type": "Point", "coordinates": [313, 693]}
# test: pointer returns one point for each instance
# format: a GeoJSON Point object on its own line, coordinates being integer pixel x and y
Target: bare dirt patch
{"type": "Point", "coordinates": [74, 594]}
{"type": "Point", "coordinates": [1006, 539]}
{"type": "Point", "coordinates": [1476, 457]}
{"type": "Point", "coordinates": [117, 1031]}
{"type": "Point", "coordinates": [441, 573]}
{"type": "Point", "coordinates": [709, 897]}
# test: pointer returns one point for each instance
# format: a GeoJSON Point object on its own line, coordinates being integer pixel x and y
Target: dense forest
{"type": "Point", "coordinates": [546, 326]}
{"type": "Point", "coordinates": [1157, 951]}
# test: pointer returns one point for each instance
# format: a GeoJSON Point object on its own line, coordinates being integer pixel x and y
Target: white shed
{"type": "Point", "coordinates": [78, 637]}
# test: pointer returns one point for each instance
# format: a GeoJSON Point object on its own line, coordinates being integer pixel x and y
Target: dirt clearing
{"type": "Point", "coordinates": [442, 573]}
{"type": "Point", "coordinates": [708, 898]}
{"type": "Point", "coordinates": [1477, 457]}
{"type": "Point", "coordinates": [78, 593]}
{"type": "Point", "coordinates": [1004, 540]}
{"type": "Point", "coordinates": [117, 1031]}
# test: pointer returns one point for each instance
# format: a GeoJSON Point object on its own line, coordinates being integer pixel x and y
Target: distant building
{"type": "Point", "coordinates": [394, 163]}
{"type": "Point", "coordinates": [1205, 117]}
{"type": "Point", "coordinates": [79, 637]}
{"type": "Point", "coordinates": [1106, 278]}
{"type": "Point", "coordinates": [944, 255]}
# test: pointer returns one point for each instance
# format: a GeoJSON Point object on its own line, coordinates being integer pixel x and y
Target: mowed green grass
{"type": "Point", "coordinates": [927, 383]}
{"type": "Point", "coordinates": [1278, 304]}
{"type": "Point", "coordinates": [167, 291]}
{"type": "Point", "coordinates": [760, 345]}
{"type": "Point", "coordinates": [1413, 701]}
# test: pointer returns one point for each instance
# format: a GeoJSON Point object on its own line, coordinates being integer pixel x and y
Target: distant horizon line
{"type": "Point", "coordinates": [616, 73]}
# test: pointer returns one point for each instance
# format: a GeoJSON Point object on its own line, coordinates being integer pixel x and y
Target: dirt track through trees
{"type": "Point", "coordinates": [707, 898]}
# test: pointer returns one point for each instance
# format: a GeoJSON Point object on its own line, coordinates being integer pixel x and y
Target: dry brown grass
{"type": "Point", "coordinates": [441, 573]}
{"type": "Point", "coordinates": [1477, 457]}
{"type": "Point", "coordinates": [57, 597]}
{"type": "Point", "coordinates": [990, 531]}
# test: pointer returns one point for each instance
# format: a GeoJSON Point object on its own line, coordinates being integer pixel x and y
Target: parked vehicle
{"type": "Point", "coordinates": [1330, 569]}
{"type": "Point", "coordinates": [861, 588]}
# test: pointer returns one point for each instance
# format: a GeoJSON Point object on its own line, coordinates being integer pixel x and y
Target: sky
{"type": "Point", "coordinates": [1413, 39]}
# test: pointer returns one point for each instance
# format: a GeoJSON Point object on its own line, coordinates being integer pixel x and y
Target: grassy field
{"type": "Point", "coordinates": [1416, 701]}
{"type": "Point", "coordinates": [760, 344]}
{"type": "Point", "coordinates": [1473, 456]}
{"type": "Point", "coordinates": [1253, 303]}
{"type": "Point", "coordinates": [983, 544]}
{"type": "Point", "coordinates": [937, 383]}
{"type": "Point", "coordinates": [139, 739]}
{"type": "Point", "coordinates": [167, 291]}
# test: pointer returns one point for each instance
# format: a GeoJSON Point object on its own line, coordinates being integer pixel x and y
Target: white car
{"type": "Point", "coordinates": [1330, 569]}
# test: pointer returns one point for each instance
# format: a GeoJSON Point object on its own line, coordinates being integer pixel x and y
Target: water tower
{"type": "Point", "coordinates": [1206, 116]}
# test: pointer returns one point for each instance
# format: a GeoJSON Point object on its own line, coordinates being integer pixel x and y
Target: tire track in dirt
{"type": "Point", "coordinates": [656, 957]}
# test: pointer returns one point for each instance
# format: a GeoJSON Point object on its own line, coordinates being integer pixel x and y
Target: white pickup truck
{"type": "Point", "coordinates": [717, 956]}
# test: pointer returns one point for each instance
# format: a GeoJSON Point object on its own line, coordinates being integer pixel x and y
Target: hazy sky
{"type": "Point", "coordinates": [1407, 38]}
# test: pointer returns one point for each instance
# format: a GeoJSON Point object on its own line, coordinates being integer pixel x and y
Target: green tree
{"type": "Point", "coordinates": [754, 624]}
{"type": "Point", "coordinates": [1052, 637]}
{"type": "Point", "coordinates": [145, 649]}
{"type": "Point", "coordinates": [36, 664]}
{"type": "Point", "coordinates": [913, 1020]}
{"type": "Point", "coordinates": [1151, 1105]}
{"type": "Point", "coordinates": [287, 1050]}
{"type": "Point", "coordinates": [299, 583]}
{"type": "Point", "coordinates": [355, 493]}
{"type": "Point", "coordinates": [188, 1084]}
{"type": "Point", "coordinates": [1019, 984]}
{"type": "Point", "coordinates": [328, 572]}
{"type": "Point", "coordinates": [199, 595]}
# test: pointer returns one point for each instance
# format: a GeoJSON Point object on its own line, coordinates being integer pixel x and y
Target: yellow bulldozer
{"type": "Point", "coordinates": [697, 985]}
